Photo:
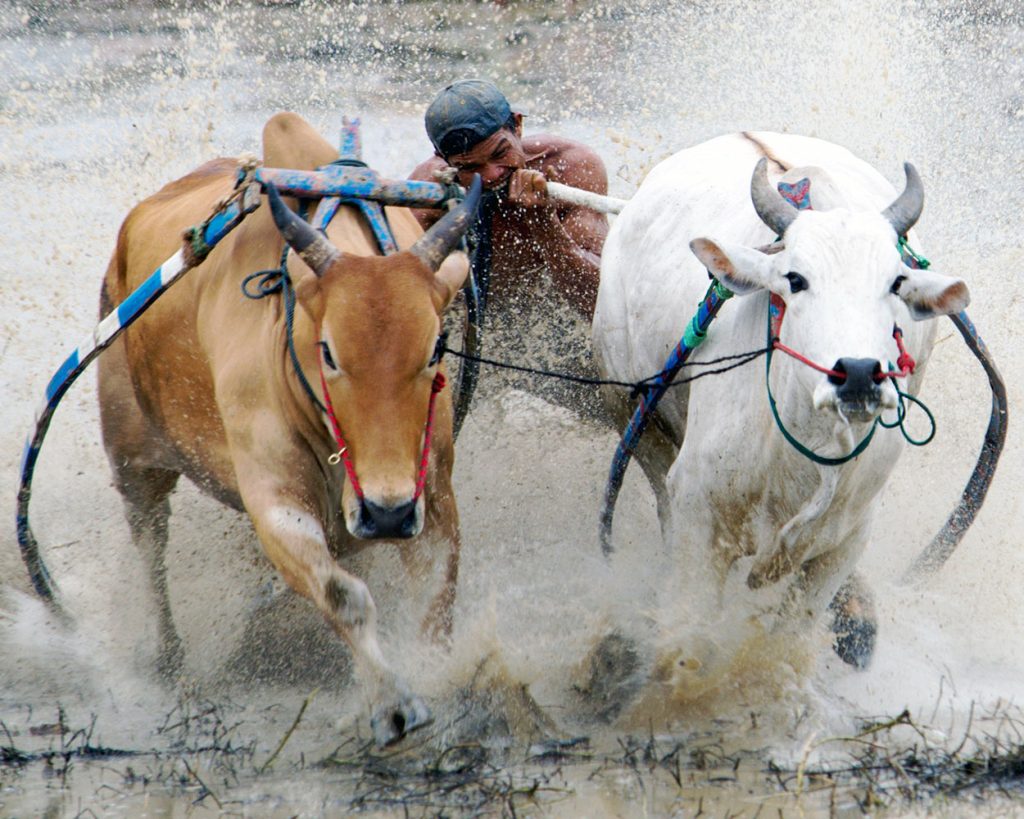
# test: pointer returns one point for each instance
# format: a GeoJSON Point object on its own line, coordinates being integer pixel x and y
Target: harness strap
{"type": "Point", "coordinates": [421, 479]}
{"type": "Point", "coordinates": [342, 453]}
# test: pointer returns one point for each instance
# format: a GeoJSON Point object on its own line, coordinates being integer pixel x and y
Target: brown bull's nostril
{"type": "Point", "coordinates": [376, 521]}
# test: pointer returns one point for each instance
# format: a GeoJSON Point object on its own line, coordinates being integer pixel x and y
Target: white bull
{"type": "Point", "coordinates": [746, 511]}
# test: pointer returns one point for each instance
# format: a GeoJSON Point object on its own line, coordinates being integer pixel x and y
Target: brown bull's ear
{"type": "Point", "coordinates": [311, 245]}
{"type": "Point", "coordinates": [450, 277]}
{"type": "Point", "coordinates": [434, 246]}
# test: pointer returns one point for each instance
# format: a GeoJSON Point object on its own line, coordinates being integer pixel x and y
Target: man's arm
{"type": "Point", "coordinates": [569, 237]}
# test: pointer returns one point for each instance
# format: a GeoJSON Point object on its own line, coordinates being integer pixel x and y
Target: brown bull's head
{"type": "Point", "coordinates": [370, 324]}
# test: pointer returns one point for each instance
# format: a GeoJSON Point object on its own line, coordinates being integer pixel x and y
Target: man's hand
{"type": "Point", "coordinates": [528, 189]}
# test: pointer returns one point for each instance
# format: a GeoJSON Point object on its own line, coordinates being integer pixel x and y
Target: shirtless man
{"type": "Point", "coordinates": [473, 129]}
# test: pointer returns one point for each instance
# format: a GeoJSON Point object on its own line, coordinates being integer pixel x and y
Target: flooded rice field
{"type": "Point", "coordinates": [547, 703]}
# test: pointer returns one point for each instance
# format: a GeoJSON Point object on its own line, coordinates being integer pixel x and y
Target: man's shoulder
{"type": "Point", "coordinates": [566, 160]}
{"type": "Point", "coordinates": [553, 145]}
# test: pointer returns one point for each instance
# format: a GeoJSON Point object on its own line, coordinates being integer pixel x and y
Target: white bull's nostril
{"type": "Point", "coordinates": [859, 378]}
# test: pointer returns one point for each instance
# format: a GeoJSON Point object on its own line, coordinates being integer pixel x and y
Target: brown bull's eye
{"type": "Point", "coordinates": [439, 348]}
{"type": "Point", "coordinates": [895, 289]}
{"type": "Point", "coordinates": [328, 359]}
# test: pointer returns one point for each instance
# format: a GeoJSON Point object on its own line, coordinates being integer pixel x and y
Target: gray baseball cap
{"type": "Point", "coordinates": [465, 114]}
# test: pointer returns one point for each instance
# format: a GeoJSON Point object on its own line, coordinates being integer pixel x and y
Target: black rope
{"type": "Point", "coordinates": [273, 281]}
{"type": "Point", "coordinates": [739, 360]}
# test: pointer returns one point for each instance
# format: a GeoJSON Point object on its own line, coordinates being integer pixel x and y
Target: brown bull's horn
{"type": "Point", "coordinates": [906, 210]}
{"type": "Point", "coordinates": [433, 247]}
{"type": "Point", "coordinates": [770, 205]}
{"type": "Point", "coordinates": [311, 245]}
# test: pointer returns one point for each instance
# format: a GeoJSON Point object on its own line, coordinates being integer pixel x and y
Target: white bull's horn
{"type": "Point", "coordinates": [906, 210]}
{"type": "Point", "coordinates": [770, 205]}
{"type": "Point", "coordinates": [311, 245]}
{"type": "Point", "coordinates": [433, 247]}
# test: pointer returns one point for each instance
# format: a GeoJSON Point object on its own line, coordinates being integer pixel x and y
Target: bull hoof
{"type": "Point", "coordinates": [854, 623]}
{"type": "Point", "coordinates": [391, 723]}
{"type": "Point", "coordinates": [609, 677]}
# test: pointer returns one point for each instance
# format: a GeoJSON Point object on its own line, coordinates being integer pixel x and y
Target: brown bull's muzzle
{"type": "Point", "coordinates": [401, 520]}
{"type": "Point", "coordinates": [373, 518]}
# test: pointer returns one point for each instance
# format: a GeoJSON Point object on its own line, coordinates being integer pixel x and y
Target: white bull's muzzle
{"type": "Point", "coordinates": [856, 390]}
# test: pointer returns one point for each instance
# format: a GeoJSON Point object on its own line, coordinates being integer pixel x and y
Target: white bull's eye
{"type": "Point", "coordinates": [328, 358]}
{"type": "Point", "coordinates": [796, 282]}
{"type": "Point", "coordinates": [895, 289]}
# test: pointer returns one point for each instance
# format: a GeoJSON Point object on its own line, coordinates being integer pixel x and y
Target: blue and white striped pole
{"type": "Point", "coordinates": [199, 241]}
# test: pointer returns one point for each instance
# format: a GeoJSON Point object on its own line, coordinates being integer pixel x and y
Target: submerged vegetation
{"type": "Point", "coordinates": [203, 752]}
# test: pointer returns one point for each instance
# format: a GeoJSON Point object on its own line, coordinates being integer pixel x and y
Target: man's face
{"type": "Point", "coordinates": [494, 159]}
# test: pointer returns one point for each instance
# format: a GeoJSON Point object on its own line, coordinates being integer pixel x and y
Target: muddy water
{"type": "Point", "coordinates": [101, 104]}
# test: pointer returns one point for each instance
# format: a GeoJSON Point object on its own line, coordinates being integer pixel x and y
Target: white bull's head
{"type": "Point", "coordinates": [845, 286]}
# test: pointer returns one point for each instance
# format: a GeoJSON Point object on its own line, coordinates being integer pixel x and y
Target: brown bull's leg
{"type": "Point", "coordinates": [147, 508]}
{"type": "Point", "coordinates": [135, 453]}
{"type": "Point", "coordinates": [442, 525]}
{"type": "Point", "coordinates": [294, 540]}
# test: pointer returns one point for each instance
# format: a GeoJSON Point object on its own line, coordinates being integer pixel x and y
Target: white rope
{"type": "Point", "coordinates": [557, 191]}
{"type": "Point", "coordinates": [587, 199]}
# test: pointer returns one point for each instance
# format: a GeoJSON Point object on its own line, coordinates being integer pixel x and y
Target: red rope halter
{"type": "Point", "coordinates": [905, 363]}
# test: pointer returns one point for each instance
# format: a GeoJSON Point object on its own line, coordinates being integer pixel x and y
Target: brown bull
{"type": "Point", "coordinates": [203, 386]}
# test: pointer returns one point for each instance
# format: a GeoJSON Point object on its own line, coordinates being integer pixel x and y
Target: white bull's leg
{"type": "Point", "coordinates": [293, 538]}
{"type": "Point", "coordinates": [787, 550]}
{"type": "Point", "coordinates": [827, 582]}
{"type": "Point", "coordinates": [854, 622]}
{"type": "Point", "coordinates": [655, 452]}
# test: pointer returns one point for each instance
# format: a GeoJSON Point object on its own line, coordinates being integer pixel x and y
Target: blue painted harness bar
{"type": "Point", "coordinates": [647, 402]}
{"type": "Point", "coordinates": [347, 181]}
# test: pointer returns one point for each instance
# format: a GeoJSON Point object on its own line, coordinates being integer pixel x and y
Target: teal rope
{"type": "Point", "coordinates": [901, 417]}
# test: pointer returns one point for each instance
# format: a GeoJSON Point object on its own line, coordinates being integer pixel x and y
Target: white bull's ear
{"type": "Point", "coordinates": [929, 294]}
{"type": "Point", "coordinates": [742, 269]}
